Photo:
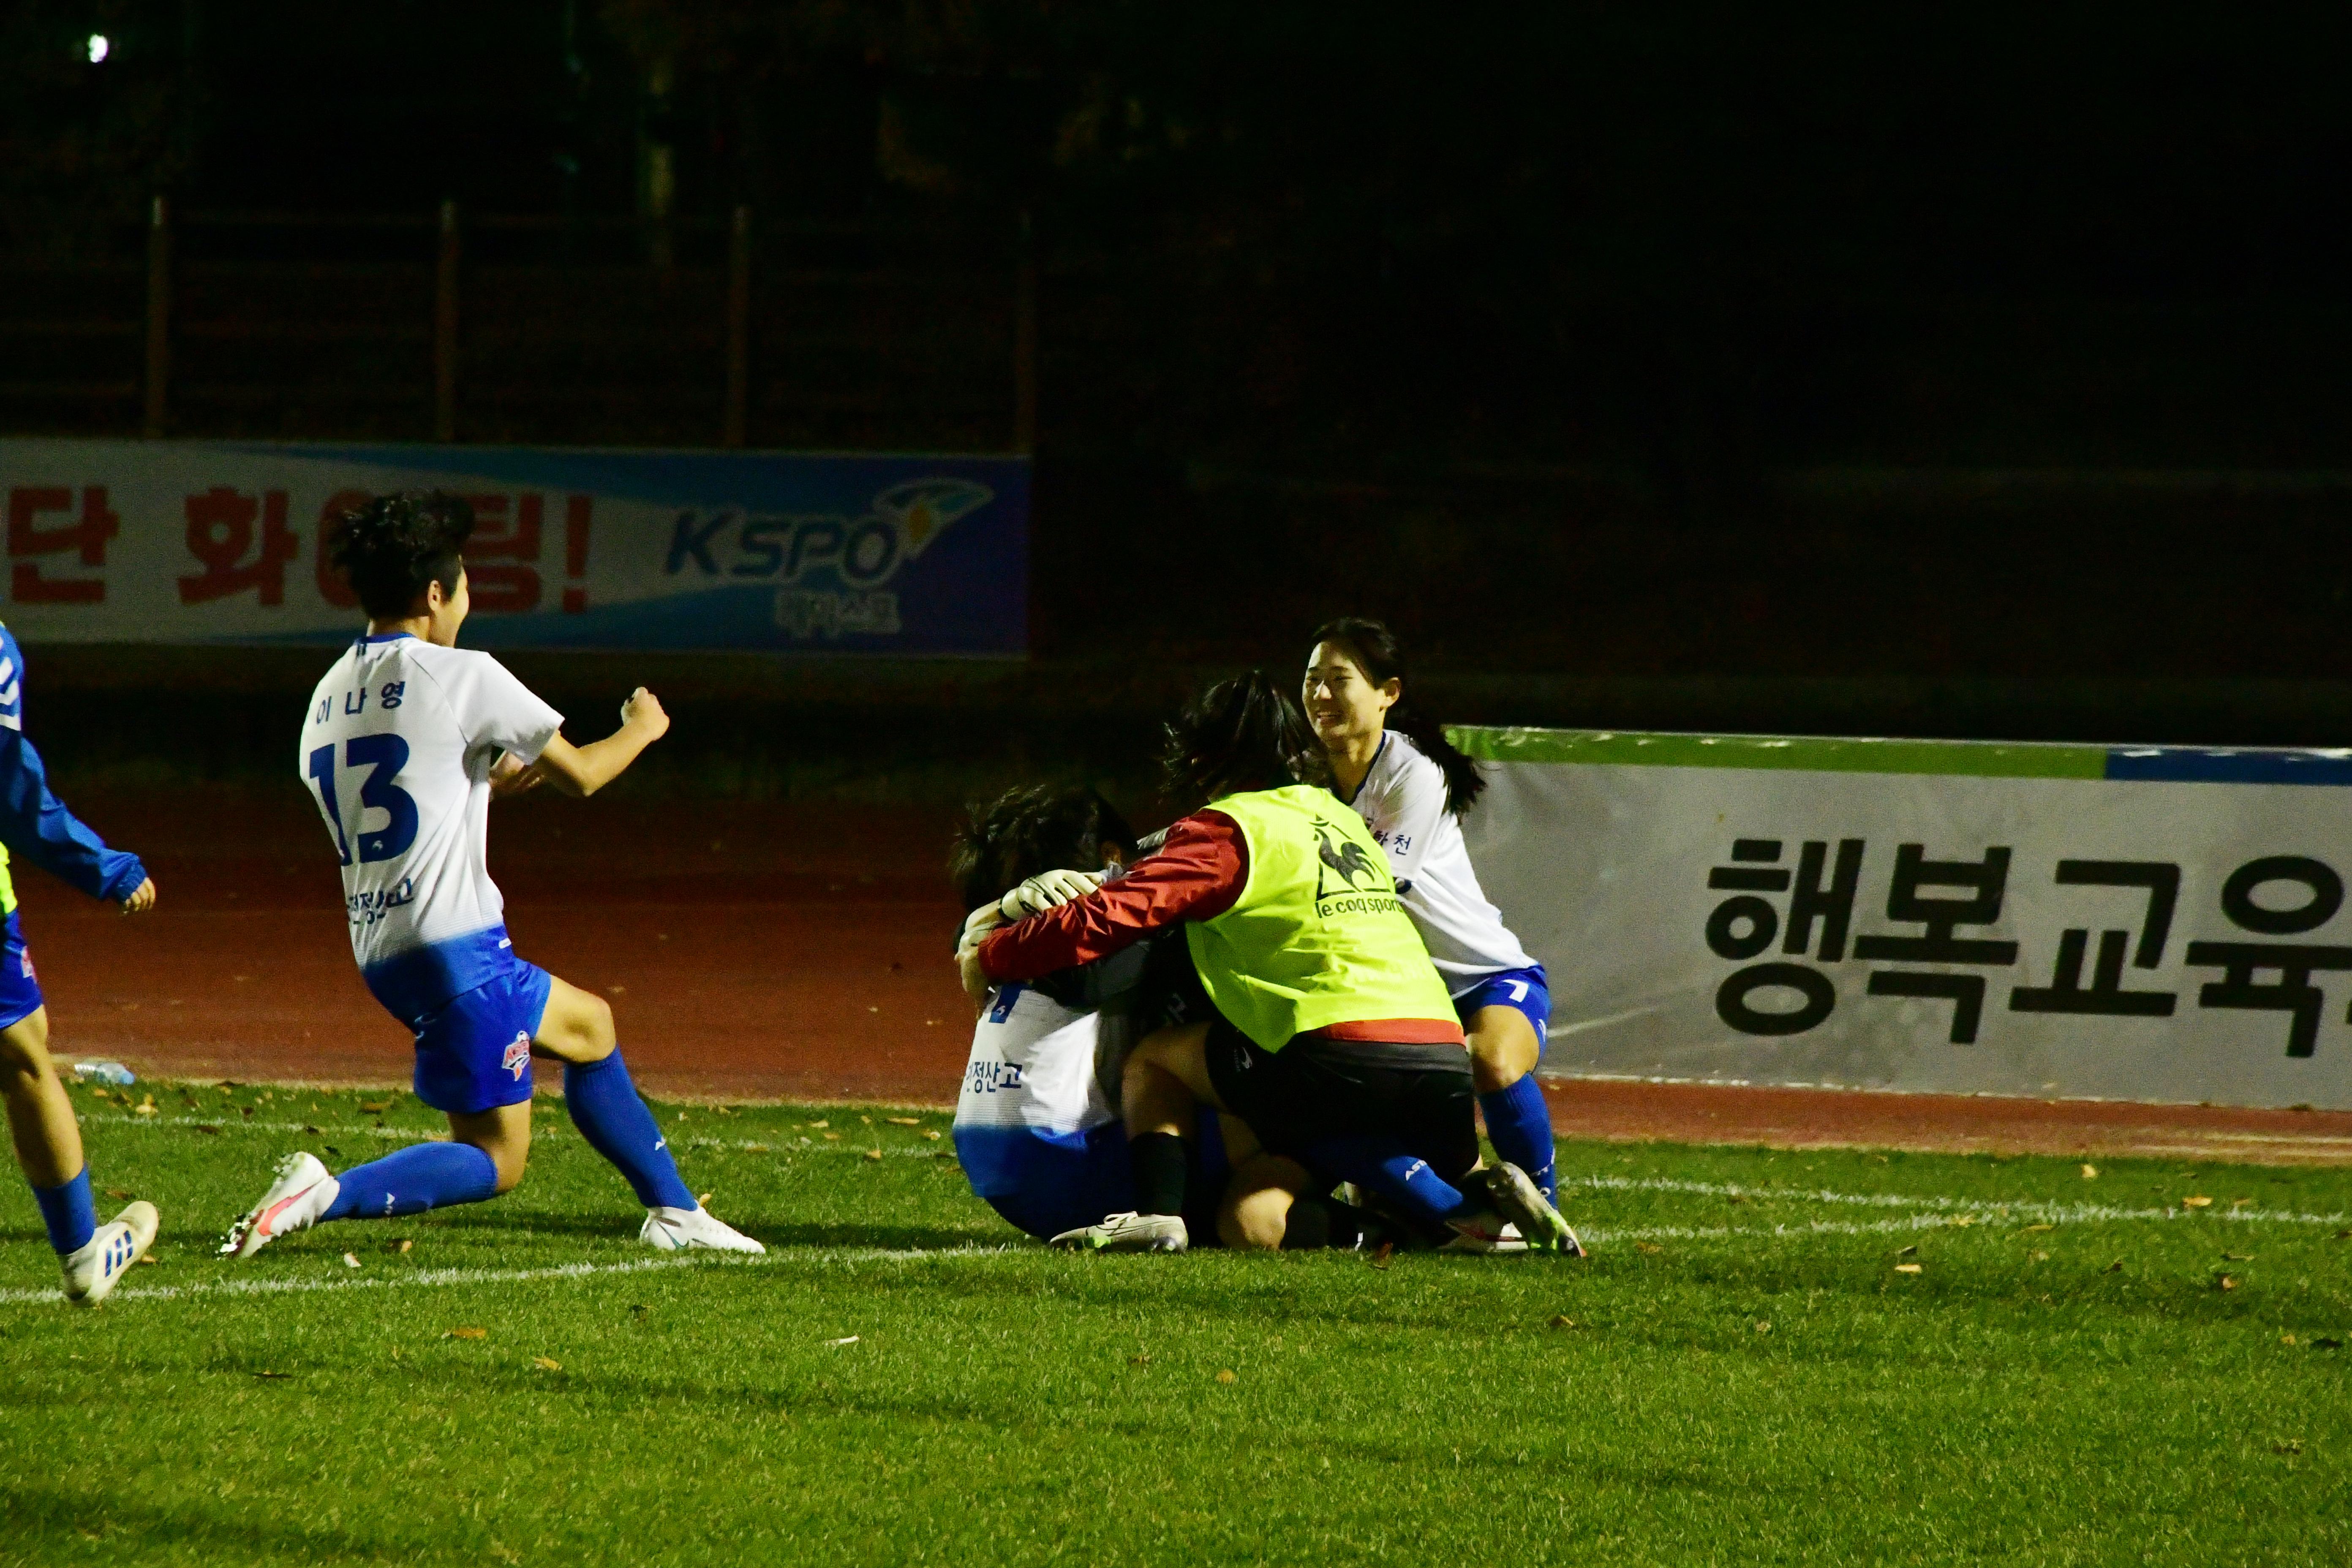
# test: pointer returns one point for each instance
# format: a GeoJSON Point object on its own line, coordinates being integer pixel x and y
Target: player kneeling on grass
{"type": "Point", "coordinates": [404, 742]}
{"type": "Point", "coordinates": [1037, 1124]}
{"type": "Point", "coordinates": [1334, 1038]}
{"type": "Point", "coordinates": [36, 824]}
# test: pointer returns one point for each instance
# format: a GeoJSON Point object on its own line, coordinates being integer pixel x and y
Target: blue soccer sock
{"type": "Point", "coordinates": [411, 1180]}
{"type": "Point", "coordinates": [67, 1213]}
{"type": "Point", "coordinates": [1421, 1197]}
{"type": "Point", "coordinates": [605, 1107]}
{"type": "Point", "coordinates": [1519, 1124]}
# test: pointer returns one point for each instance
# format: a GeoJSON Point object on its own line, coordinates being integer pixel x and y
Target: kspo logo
{"type": "Point", "coordinates": [860, 552]}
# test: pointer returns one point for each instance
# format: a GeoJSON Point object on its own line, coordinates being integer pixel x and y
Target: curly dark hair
{"type": "Point", "coordinates": [1380, 657]}
{"type": "Point", "coordinates": [1241, 734]}
{"type": "Point", "coordinates": [389, 548]}
{"type": "Point", "coordinates": [1023, 832]}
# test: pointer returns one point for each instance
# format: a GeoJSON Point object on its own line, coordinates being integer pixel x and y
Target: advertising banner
{"type": "Point", "coordinates": [2144, 923]}
{"type": "Point", "coordinates": [173, 542]}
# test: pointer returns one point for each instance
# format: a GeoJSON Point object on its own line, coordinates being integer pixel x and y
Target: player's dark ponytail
{"type": "Point", "coordinates": [1378, 654]}
{"type": "Point", "coordinates": [1241, 734]}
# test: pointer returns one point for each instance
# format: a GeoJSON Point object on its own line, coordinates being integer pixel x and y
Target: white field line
{"type": "Point", "coordinates": [1910, 1224]}
{"type": "Point", "coordinates": [2011, 1208]}
{"type": "Point", "coordinates": [437, 1278]}
{"type": "Point", "coordinates": [792, 1143]}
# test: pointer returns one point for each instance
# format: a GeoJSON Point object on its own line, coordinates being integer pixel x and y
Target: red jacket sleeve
{"type": "Point", "coordinates": [1195, 876]}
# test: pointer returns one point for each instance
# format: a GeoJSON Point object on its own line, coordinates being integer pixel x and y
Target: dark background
{"type": "Point", "coordinates": [1808, 368]}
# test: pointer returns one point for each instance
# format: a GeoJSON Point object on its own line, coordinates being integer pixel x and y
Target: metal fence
{"type": "Point", "coordinates": [452, 326]}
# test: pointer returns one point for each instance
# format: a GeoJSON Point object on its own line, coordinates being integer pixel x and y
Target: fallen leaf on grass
{"type": "Point", "coordinates": [820, 1126]}
{"type": "Point", "coordinates": [1909, 1267]}
{"type": "Point", "coordinates": [2239, 1203]}
{"type": "Point", "coordinates": [119, 1194]}
{"type": "Point", "coordinates": [2226, 1282]}
{"type": "Point", "coordinates": [2090, 1173]}
{"type": "Point", "coordinates": [2286, 1338]}
{"type": "Point", "coordinates": [1964, 1219]}
{"type": "Point", "coordinates": [1652, 1248]}
{"type": "Point", "coordinates": [273, 1377]}
{"type": "Point", "coordinates": [2197, 1201]}
{"type": "Point", "coordinates": [2040, 1256]}
{"type": "Point", "coordinates": [1736, 1197]}
{"type": "Point", "coordinates": [703, 1199]}
{"type": "Point", "coordinates": [832, 1137]}
{"type": "Point", "coordinates": [148, 1258]}
{"type": "Point", "coordinates": [546, 1363]}
{"type": "Point", "coordinates": [350, 1260]}
{"type": "Point", "coordinates": [638, 1310]}
{"type": "Point", "coordinates": [309, 1128]}
{"type": "Point", "coordinates": [904, 1121]}
{"type": "Point", "coordinates": [467, 1334]}
{"type": "Point", "coordinates": [867, 1121]}
{"type": "Point", "coordinates": [836, 1345]}
{"type": "Point", "coordinates": [933, 1137]}
{"type": "Point", "coordinates": [1762, 1327]}
{"type": "Point", "coordinates": [2287, 1446]}
{"type": "Point", "coordinates": [1225, 1376]}
{"type": "Point", "coordinates": [1906, 1251]}
{"type": "Point", "coordinates": [874, 1154]}
{"type": "Point", "coordinates": [755, 1147]}
{"type": "Point", "coordinates": [403, 1245]}
{"type": "Point", "coordinates": [146, 1108]}
{"type": "Point", "coordinates": [1143, 1360]}
{"type": "Point", "coordinates": [2114, 1268]}
{"type": "Point", "coordinates": [378, 1108]}
{"type": "Point", "coordinates": [2237, 1258]}
{"type": "Point", "coordinates": [2036, 1229]}
{"type": "Point", "coordinates": [1382, 1253]}
{"type": "Point", "coordinates": [1562, 1321]}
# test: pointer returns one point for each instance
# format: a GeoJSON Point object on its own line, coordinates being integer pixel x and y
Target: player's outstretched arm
{"type": "Point", "coordinates": [582, 771]}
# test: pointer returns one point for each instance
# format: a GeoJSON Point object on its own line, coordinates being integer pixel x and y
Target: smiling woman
{"type": "Point", "coordinates": [1411, 786]}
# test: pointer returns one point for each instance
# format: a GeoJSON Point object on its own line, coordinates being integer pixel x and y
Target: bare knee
{"type": "Point", "coordinates": [510, 1172]}
{"type": "Point", "coordinates": [1255, 1222]}
{"type": "Point", "coordinates": [1503, 1048]}
{"type": "Point", "coordinates": [24, 1049]}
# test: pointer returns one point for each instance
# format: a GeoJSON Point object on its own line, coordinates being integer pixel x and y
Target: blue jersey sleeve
{"type": "Point", "coordinates": [34, 822]}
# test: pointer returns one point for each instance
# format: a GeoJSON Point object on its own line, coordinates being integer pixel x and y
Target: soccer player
{"type": "Point", "coordinates": [36, 824]}
{"type": "Point", "coordinates": [1334, 1038]}
{"type": "Point", "coordinates": [1411, 786]}
{"type": "Point", "coordinates": [402, 746]}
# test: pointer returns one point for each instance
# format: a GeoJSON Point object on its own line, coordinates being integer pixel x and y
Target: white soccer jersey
{"type": "Point", "coordinates": [397, 749]}
{"type": "Point", "coordinates": [1040, 1074]}
{"type": "Point", "coordinates": [1403, 800]}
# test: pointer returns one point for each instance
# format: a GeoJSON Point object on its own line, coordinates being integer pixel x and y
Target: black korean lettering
{"type": "Point", "coordinates": [1735, 998]}
{"type": "Point", "coordinates": [1744, 926]}
{"type": "Point", "coordinates": [1985, 883]}
{"type": "Point", "coordinates": [2292, 992]}
{"type": "Point", "coordinates": [2105, 996]}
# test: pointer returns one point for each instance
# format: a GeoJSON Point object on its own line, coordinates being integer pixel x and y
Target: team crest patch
{"type": "Point", "coordinates": [518, 1056]}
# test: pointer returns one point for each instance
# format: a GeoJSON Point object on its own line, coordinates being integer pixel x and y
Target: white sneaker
{"type": "Point", "coordinates": [1515, 1193]}
{"type": "Point", "coordinates": [302, 1192]}
{"type": "Point", "coordinates": [675, 1230]}
{"type": "Point", "coordinates": [95, 1268]}
{"type": "Point", "coordinates": [1486, 1232]}
{"type": "Point", "coordinates": [1129, 1232]}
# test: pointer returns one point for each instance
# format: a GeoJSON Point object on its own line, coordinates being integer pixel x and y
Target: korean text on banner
{"type": "Point", "coordinates": [205, 542]}
{"type": "Point", "coordinates": [2143, 923]}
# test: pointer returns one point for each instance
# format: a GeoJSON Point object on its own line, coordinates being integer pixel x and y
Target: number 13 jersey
{"type": "Point", "coordinates": [397, 749]}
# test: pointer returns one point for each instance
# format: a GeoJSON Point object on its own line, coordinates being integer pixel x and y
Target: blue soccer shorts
{"type": "Point", "coordinates": [1525, 989]}
{"type": "Point", "coordinates": [473, 1052]}
{"type": "Point", "coordinates": [20, 989]}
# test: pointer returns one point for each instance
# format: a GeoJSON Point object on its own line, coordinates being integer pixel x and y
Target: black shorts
{"type": "Point", "coordinates": [1314, 1090]}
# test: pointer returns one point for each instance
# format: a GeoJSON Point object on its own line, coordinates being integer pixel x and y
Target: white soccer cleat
{"type": "Point", "coordinates": [99, 1264]}
{"type": "Point", "coordinates": [1129, 1232]}
{"type": "Point", "coordinates": [675, 1230]}
{"type": "Point", "coordinates": [1484, 1233]}
{"type": "Point", "coordinates": [1515, 1193]}
{"type": "Point", "coordinates": [302, 1192]}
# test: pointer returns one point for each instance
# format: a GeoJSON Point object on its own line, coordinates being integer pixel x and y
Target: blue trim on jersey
{"type": "Point", "coordinates": [369, 639]}
{"type": "Point", "coordinates": [1373, 767]}
{"type": "Point", "coordinates": [1526, 989]}
{"type": "Point", "coordinates": [412, 984]}
{"type": "Point", "coordinates": [20, 991]}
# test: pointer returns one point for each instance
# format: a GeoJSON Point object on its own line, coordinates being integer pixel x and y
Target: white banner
{"type": "Point", "coordinates": [2128, 923]}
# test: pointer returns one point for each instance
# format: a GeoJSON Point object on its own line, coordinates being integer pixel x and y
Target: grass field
{"type": "Point", "coordinates": [2080, 1370]}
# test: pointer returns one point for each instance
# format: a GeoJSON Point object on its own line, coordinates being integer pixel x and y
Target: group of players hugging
{"type": "Point", "coordinates": [1272, 1023]}
{"type": "Point", "coordinates": [1296, 992]}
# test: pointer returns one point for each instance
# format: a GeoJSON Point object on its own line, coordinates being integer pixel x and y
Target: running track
{"type": "Point", "coordinates": [765, 952]}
